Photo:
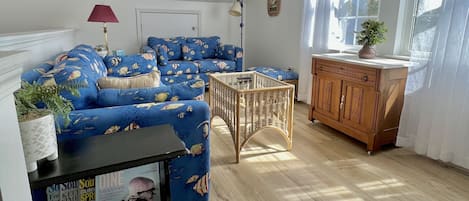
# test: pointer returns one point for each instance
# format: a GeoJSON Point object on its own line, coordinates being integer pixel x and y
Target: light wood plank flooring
{"type": "Point", "coordinates": [325, 165]}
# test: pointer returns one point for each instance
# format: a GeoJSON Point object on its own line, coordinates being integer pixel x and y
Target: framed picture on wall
{"type": "Point", "coordinates": [273, 7]}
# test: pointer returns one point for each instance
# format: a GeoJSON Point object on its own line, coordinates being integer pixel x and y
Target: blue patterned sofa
{"type": "Point", "coordinates": [106, 111]}
{"type": "Point", "coordinates": [181, 59]}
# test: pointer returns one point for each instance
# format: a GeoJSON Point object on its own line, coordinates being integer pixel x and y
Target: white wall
{"type": "Point", "coordinates": [273, 41]}
{"type": "Point", "coordinates": [26, 15]}
{"type": "Point", "coordinates": [13, 174]}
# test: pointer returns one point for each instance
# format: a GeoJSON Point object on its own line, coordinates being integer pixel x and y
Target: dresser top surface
{"type": "Point", "coordinates": [378, 62]}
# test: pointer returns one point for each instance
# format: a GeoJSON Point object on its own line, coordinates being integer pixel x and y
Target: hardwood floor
{"type": "Point", "coordinates": [325, 165]}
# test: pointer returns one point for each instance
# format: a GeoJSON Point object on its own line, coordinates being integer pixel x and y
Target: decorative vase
{"type": "Point", "coordinates": [39, 140]}
{"type": "Point", "coordinates": [367, 52]}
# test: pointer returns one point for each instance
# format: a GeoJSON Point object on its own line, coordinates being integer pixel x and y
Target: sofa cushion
{"type": "Point", "coordinates": [215, 65]}
{"type": "Point", "coordinates": [69, 72]}
{"type": "Point", "coordinates": [151, 79]}
{"type": "Point", "coordinates": [172, 44]}
{"type": "Point", "coordinates": [82, 65]}
{"type": "Point", "coordinates": [179, 67]}
{"type": "Point", "coordinates": [173, 79]}
{"type": "Point", "coordinates": [275, 72]}
{"type": "Point", "coordinates": [162, 53]}
{"type": "Point", "coordinates": [91, 60]}
{"type": "Point", "coordinates": [191, 52]}
{"type": "Point", "coordinates": [174, 51]}
{"type": "Point", "coordinates": [227, 52]}
{"type": "Point", "coordinates": [126, 66]}
{"type": "Point", "coordinates": [191, 90]}
{"type": "Point", "coordinates": [209, 45]}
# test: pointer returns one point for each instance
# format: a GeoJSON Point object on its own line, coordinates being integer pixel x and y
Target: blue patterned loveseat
{"type": "Point", "coordinates": [181, 59]}
{"type": "Point", "coordinates": [106, 111]}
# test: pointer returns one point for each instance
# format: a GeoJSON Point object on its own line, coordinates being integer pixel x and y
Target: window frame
{"type": "Point", "coordinates": [406, 24]}
{"type": "Point", "coordinates": [399, 30]}
{"type": "Point", "coordinates": [355, 48]}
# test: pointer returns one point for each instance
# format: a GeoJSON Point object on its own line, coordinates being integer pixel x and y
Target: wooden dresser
{"type": "Point", "coordinates": [362, 98]}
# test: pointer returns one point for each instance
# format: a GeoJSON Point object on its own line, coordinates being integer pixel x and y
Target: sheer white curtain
{"type": "Point", "coordinates": [313, 39]}
{"type": "Point", "coordinates": [435, 118]}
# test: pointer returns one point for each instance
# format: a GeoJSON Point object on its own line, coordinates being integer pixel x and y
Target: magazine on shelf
{"type": "Point", "coordinates": [87, 189]}
{"type": "Point", "coordinates": [134, 184]}
{"type": "Point", "coordinates": [68, 191]}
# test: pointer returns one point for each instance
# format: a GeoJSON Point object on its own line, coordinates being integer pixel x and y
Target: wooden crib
{"type": "Point", "coordinates": [249, 102]}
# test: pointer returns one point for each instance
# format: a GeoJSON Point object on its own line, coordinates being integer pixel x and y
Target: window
{"type": "Point", "coordinates": [411, 24]}
{"type": "Point", "coordinates": [425, 20]}
{"type": "Point", "coordinates": [346, 19]}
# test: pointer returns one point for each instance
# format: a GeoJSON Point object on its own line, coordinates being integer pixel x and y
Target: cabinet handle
{"type": "Point", "coordinates": [365, 78]}
{"type": "Point", "coordinates": [342, 99]}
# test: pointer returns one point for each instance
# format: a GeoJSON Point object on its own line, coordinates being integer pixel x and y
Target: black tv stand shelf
{"type": "Point", "coordinates": [92, 156]}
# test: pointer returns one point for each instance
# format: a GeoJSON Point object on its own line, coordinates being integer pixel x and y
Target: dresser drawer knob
{"type": "Point", "coordinates": [365, 78]}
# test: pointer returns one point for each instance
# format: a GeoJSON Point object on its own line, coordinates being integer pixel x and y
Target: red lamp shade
{"type": "Point", "coordinates": [102, 13]}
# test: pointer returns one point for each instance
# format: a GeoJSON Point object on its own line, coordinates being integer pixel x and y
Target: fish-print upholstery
{"type": "Point", "coordinates": [107, 111]}
{"type": "Point", "coordinates": [275, 72]}
{"type": "Point", "coordinates": [184, 66]}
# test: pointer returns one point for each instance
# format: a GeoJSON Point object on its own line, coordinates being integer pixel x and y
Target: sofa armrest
{"type": "Point", "coordinates": [239, 54]}
{"type": "Point", "coordinates": [190, 90]}
{"type": "Point", "coordinates": [190, 120]}
{"type": "Point", "coordinates": [33, 74]}
{"type": "Point", "coordinates": [148, 49]}
{"type": "Point", "coordinates": [232, 53]}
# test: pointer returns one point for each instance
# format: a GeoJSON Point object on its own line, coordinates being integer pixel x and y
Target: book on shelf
{"type": "Point", "coordinates": [134, 184]}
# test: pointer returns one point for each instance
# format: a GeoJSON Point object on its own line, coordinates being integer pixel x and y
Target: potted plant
{"type": "Point", "coordinates": [37, 125]}
{"type": "Point", "coordinates": [372, 33]}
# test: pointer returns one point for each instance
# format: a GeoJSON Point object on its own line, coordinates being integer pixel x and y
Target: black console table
{"type": "Point", "coordinates": [103, 154]}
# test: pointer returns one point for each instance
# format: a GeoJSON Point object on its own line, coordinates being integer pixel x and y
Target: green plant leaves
{"type": "Point", "coordinates": [372, 33]}
{"type": "Point", "coordinates": [30, 95]}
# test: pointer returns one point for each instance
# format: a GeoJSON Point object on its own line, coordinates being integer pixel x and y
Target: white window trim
{"type": "Point", "coordinates": [405, 27]}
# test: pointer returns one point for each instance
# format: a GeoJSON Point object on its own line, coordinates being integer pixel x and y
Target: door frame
{"type": "Point", "coordinates": [140, 11]}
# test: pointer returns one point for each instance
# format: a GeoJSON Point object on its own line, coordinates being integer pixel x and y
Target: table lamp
{"type": "Point", "coordinates": [103, 13]}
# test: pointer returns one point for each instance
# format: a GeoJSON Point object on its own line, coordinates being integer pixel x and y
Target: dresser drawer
{"type": "Point", "coordinates": [361, 74]}
{"type": "Point", "coordinates": [349, 72]}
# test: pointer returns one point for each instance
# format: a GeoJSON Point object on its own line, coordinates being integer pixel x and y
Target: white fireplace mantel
{"type": "Point", "coordinates": [14, 183]}
{"type": "Point", "coordinates": [42, 44]}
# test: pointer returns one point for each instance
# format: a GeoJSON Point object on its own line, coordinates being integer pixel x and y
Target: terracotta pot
{"type": "Point", "coordinates": [367, 52]}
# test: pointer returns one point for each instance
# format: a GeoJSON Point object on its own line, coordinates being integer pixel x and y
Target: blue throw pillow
{"type": "Point", "coordinates": [227, 52]}
{"type": "Point", "coordinates": [209, 45]}
{"type": "Point", "coordinates": [126, 66]}
{"type": "Point", "coordinates": [173, 44]}
{"type": "Point", "coordinates": [162, 53]}
{"type": "Point", "coordinates": [191, 52]}
{"type": "Point", "coordinates": [174, 51]}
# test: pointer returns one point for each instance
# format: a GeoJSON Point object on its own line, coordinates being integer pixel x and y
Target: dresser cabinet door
{"type": "Point", "coordinates": [327, 95]}
{"type": "Point", "coordinates": [358, 106]}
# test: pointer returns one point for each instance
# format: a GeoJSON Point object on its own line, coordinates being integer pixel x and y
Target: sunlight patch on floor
{"type": "Point", "coordinates": [300, 193]}
{"type": "Point", "coordinates": [351, 199]}
{"type": "Point", "coordinates": [266, 154]}
{"type": "Point", "coordinates": [376, 185]}
{"type": "Point", "coordinates": [393, 195]}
